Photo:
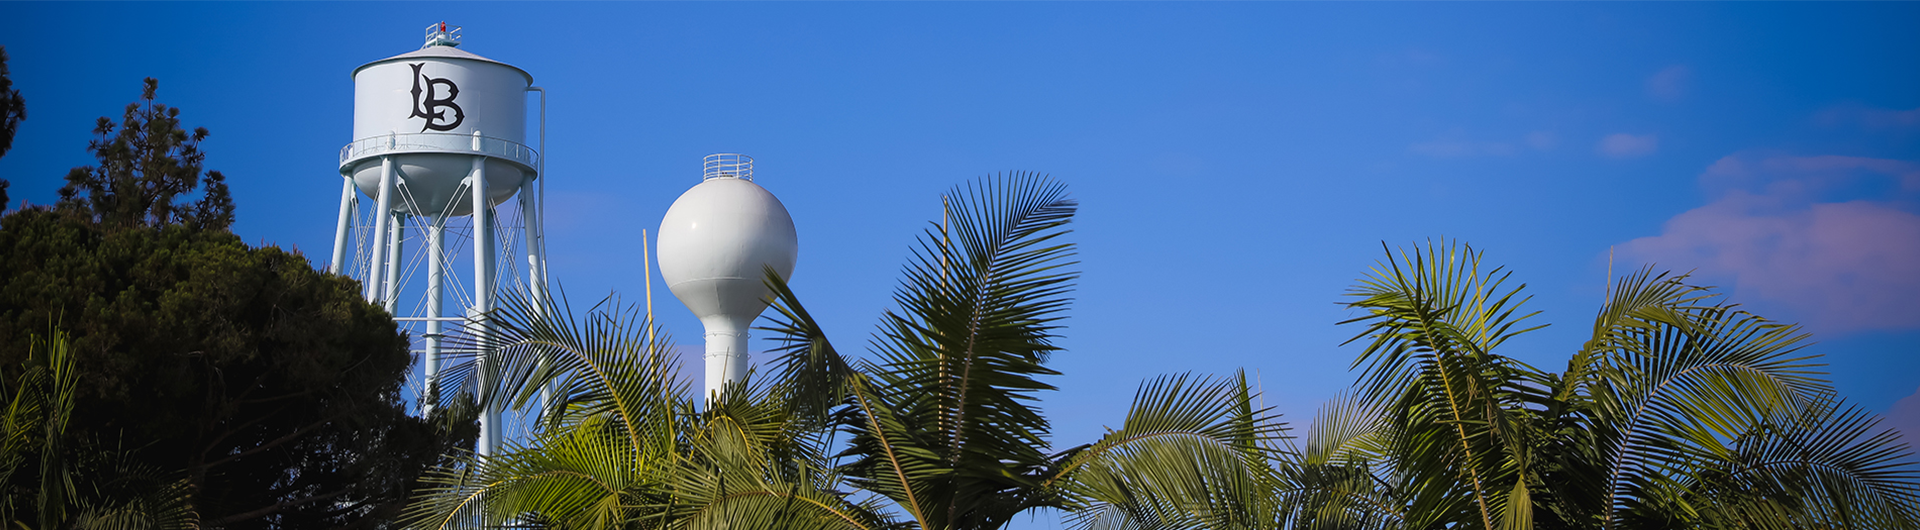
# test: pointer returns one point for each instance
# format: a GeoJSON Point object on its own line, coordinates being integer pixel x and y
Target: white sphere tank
{"type": "Point", "coordinates": [431, 110]}
{"type": "Point", "coordinates": [715, 243]}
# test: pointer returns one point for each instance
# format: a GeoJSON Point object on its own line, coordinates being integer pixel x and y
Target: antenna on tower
{"type": "Point", "coordinates": [439, 35]}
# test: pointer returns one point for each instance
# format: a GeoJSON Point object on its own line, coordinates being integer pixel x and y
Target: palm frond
{"type": "Point", "coordinates": [587, 476]}
{"type": "Point", "coordinates": [1192, 453]}
{"type": "Point", "coordinates": [1686, 386]}
{"type": "Point", "coordinates": [808, 370]}
{"type": "Point", "coordinates": [815, 378]}
{"type": "Point", "coordinates": [124, 494]}
{"type": "Point", "coordinates": [1830, 468]}
{"type": "Point", "coordinates": [607, 363]}
{"type": "Point", "coordinates": [1433, 321]}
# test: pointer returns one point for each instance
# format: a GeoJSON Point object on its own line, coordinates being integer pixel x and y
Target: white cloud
{"type": "Point", "coordinates": [1904, 416]}
{"type": "Point", "coordinates": [1543, 140]}
{"type": "Point", "coordinates": [1671, 83]}
{"type": "Point", "coordinates": [1869, 117]}
{"type": "Point", "coordinates": [1833, 241]}
{"type": "Point", "coordinates": [1623, 145]}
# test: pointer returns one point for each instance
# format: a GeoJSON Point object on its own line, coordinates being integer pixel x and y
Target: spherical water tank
{"type": "Point", "coordinates": [715, 243]}
{"type": "Point", "coordinates": [432, 110]}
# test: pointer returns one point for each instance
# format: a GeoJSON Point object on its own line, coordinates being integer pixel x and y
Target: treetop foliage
{"type": "Point", "coordinates": [13, 110]}
{"type": "Point", "coordinates": [148, 165]}
{"type": "Point", "coordinates": [273, 390]}
{"type": "Point", "coordinates": [13, 107]}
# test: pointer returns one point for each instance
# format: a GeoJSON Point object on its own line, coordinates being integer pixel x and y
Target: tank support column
{"type": "Point", "coordinates": [536, 269]}
{"type": "Point", "coordinates": [396, 244]}
{"type": "Point", "coordinates": [536, 240]}
{"type": "Point", "coordinates": [349, 201]}
{"type": "Point", "coordinates": [381, 213]}
{"type": "Point", "coordinates": [483, 256]}
{"type": "Point", "coordinates": [726, 357]}
{"type": "Point", "coordinates": [436, 285]}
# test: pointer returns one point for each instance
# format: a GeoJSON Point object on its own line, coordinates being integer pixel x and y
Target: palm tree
{"type": "Point", "coordinates": [1679, 411]}
{"type": "Point", "coordinates": [624, 446]}
{"type": "Point", "coordinates": [944, 429]}
{"type": "Point", "coordinates": [74, 483]}
{"type": "Point", "coordinates": [943, 419]}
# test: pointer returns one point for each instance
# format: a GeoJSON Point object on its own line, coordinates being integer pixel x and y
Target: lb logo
{"type": "Point", "coordinates": [428, 105]}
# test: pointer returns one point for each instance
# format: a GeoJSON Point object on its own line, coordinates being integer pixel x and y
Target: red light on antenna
{"type": "Point", "coordinates": [443, 27]}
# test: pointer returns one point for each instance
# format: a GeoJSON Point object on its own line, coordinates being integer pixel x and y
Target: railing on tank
{"type": "Point", "coordinates": [727, 165]}
{"type": "Point", "coordinates": [439, 143]}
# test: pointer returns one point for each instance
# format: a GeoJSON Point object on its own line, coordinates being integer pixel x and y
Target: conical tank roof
{"type": "Point", "coordinates": [443, 52]}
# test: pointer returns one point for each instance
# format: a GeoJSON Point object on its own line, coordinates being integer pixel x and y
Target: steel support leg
{"type": "Point", "coordinates": [380, 215]}
{"type": "Point", "coordinates": [436, 286]}
{"type": "Point", "coordinates": [483, 256]}
{"type": "Point", "coordinates": [396, 242]}
{"type": "Point", "coordinates": [348, 201]}
{"type": "Point", "coordinates": [536, 267]}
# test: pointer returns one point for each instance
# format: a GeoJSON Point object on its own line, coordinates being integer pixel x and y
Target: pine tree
{"type": "Point", "coordinates": [274, 390]}
{"type": "Point", "coordinates": [148, 165]}
{"type": "Point", "coordinates": [13, 110]}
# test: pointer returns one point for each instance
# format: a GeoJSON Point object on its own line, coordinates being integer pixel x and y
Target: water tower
{"type": "Point", "coordinates": [439, 137]}
{"type": "Point", "coordinates": [715, 244]}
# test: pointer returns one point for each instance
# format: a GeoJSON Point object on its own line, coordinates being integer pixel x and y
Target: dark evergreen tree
{"type": "Point", "coordinates": [273, 388]}
{"type": "Point", "coordinates": [146, 168]}
{"type": "Point", "coordinates": [13, 109]}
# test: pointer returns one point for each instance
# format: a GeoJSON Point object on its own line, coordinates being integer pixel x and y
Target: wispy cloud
{"type": "Point", "coordinates": [1904, 416]}
{"type": "Point", "coordinates": [1456, 145]}
{"type": "Point", "coordinates": [1869, 117]}
{"type": "Point", "coordinates": [1461, 148]}
{"type": "Point", "coordinates": [1670, 84]}
{"type": "Point", "coordinates": [1543, 140]}
{"type": "Point", "coordinates": [1623, 145]}
{"type": "Point", "coordinates": [1835, 241]}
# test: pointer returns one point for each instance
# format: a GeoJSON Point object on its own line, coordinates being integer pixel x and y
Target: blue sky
{"type": "Point", "coordinates": [1238, 164]}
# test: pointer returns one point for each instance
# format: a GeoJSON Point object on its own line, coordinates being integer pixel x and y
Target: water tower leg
{"type": "Point", "coordinates": [380, 215]}
{"type": "Point", "coordinates": [483, 256]}
{"type": "Point", "coordinates": [348, 203]}
{"type": "Point", "coordinates": [436, 285]}
{"type": "Point", "coordinates": [536, 240]}
{"type": "Point", "coordinates": [536, 267]}
{"type": "Point", "coordinates": [397, 242]}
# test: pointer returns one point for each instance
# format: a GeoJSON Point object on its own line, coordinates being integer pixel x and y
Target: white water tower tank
{"type": "Point", "coordinates": [439, 133]}
{"type": "Point", "coordinates": [715, 243]}
{"type": "Point", "coordinates": [439, 105]}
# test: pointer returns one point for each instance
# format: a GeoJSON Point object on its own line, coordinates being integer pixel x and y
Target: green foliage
{"type": "Point", "coordinates": [271, 389]}
{"type": "Point", "coordinates": [275, 388]}
{"type": "Point", "coordinates": [624, 446]}
{"type": "Point", "coordinates": [944, 421]}
{"type": "Point", "coordinates": [13, 110]}
{"type": "Point", "coordinates": [148, 165]}
{"type": "Point", "coordinates": [81, 482]}
{"type": "Point", "coordinates": [945, 431]}
{"type": "Point", "coordinates": [1678, 411]}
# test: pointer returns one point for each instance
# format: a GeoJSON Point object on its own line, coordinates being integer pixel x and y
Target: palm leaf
{"type": "Point", "coordinates": [1433, 322]}
{"type": "Point", "coordinates": [943, 420]}
{"type": "Point", "coordinates": [1193, 453]}
{"type": "Point", "coordinates": [1345, 476]}
{"type": "Point", "coordinates": [1681, 386]}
